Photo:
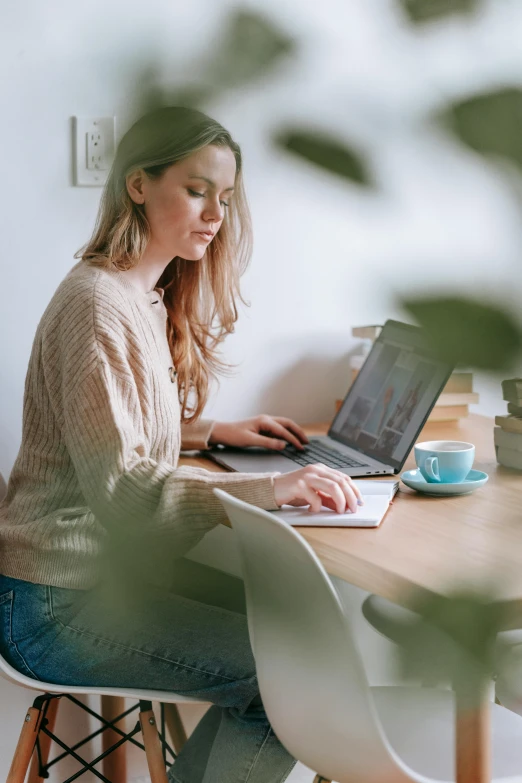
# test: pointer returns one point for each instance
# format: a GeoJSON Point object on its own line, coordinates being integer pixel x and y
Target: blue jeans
{"type": "Point", "coordinates": [191, 639]}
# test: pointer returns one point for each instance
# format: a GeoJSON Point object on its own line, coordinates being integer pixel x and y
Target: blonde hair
{"type": "Point", "coordinates": [200, 297]}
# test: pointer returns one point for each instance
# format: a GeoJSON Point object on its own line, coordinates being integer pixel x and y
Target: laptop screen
{"type": "Point", "coordinates": [392, 395]}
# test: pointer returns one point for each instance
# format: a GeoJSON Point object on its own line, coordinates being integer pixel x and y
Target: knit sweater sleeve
{"type": "Point", "coordinates": [195, 436]}
{"type": "Point", "coordinates": [125, 488]}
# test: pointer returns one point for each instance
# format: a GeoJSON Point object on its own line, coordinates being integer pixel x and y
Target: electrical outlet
{"type": "Point", "coordinates": [94, 147]}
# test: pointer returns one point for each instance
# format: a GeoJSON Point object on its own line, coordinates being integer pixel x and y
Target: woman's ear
{"type": "Point", "coordinates": [134, 183]}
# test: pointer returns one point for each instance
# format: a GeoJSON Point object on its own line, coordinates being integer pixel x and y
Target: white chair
{"type": "Point", "coordinates": [313, 683]}
{"type": "Point", "coordinates": [38, 727]}
{"type": "Point", "coordinates": [37, 730]}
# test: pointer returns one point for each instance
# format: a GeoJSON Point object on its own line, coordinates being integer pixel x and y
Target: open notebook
{"type": "Point", "coordinates": [377, 497]}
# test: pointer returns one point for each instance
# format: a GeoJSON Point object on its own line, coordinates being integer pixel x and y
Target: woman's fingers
{"type": "Point", "coordinates": [273, 425]}
{"type": "Point", "coordinates": [332, 488]}
{"type": "Point", "coordinates": [291, 426]}
{"type": "Point", "coordinates": [266, 442]}
{"type": "Point", "coordinates": [313, 499]}
{"type": "Point", "coordinates": [312, 484]}
{"type": "Point", "coordinates": [327, 501]}
{"type": "Point", "coordinates": [351, 491]}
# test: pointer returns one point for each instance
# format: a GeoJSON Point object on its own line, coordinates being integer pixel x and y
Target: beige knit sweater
{"type": "Point", "coordinates": [101, 439]}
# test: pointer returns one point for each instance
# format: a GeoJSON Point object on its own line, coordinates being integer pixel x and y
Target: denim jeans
{"type": "Point", "coordinates": [191, 639]}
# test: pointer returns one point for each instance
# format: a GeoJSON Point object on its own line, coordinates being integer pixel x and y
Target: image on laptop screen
{"type": "Point", "coordinates": [392, 395]}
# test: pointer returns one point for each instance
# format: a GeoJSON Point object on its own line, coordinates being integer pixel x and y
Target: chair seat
{"type": "Point", "coordinates": [419, 724]}
{"type": "Point", "coordinates": [141, 694]}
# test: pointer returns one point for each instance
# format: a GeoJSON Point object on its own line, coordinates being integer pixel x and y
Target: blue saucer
{"type": "Point", "coordinates": [415, 480]}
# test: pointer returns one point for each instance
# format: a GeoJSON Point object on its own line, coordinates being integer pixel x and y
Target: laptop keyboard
{"type": "Point", "coordinates": [315, 452]}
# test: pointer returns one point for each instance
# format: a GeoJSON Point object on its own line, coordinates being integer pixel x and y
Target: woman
{"type": "Point", "coordinates": [117, 381]}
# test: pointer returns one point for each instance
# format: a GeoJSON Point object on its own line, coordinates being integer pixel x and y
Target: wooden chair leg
{"type": "Point", "coordinates": [115, 764]}
{"type": "Point", "coordinates": [45, 743]}
{"type": "Point", "coordinates": [175, 726]}
{"type": "Point", "coordinates": [25, 747]}
{"type": "Point", "coordinates": [151, 740]}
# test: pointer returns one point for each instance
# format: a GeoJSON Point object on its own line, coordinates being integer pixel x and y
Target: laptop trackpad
{"type": "Point", "coordinates": [253, 460]}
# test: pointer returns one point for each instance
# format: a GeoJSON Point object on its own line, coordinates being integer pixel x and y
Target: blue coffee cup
{"type": "Point", "coordinates": [444, 461]}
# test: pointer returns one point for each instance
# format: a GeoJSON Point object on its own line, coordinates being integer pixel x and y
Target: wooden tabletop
{"type": "Point", "coordinates": [434, 544]}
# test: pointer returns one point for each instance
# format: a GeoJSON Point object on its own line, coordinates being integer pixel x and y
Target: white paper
{"type": "Point", "coordinates": [380, 487]}
{"type": "Point", "coordinates": [369, 515]}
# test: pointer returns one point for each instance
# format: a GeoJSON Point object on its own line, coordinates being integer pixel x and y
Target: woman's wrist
{"type": "Point", "coordinates": [213, 438]}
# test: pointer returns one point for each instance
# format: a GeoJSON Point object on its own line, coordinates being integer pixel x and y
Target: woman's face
{"type": "Point", "coordinates": [186, 206]}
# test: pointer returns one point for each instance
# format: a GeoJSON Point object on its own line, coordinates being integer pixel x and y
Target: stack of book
{"type": "Point", "coordinates": [456, 397]}
{"type": "Point", "coordinates": [508, 432]}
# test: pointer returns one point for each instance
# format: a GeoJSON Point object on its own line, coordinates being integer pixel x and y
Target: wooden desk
{"type": "Point", "coordinates": [433, 545]}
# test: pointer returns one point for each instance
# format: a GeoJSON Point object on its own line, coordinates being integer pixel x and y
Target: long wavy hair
{"type": "Point", "coordinates": [200, 297]}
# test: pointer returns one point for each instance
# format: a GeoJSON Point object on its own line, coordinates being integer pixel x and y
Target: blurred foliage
{"type": "Point", "coordinates": [251, 46]}
{"type": "Point", "coordinates": [193, 96]}
{"type": "Point", "coordinates": [455, 639]}
{"type": "Point", "coordinates": [326, 152]}
{"type": "Point", "coordinates": [468, 332]}
{"type": "Point", "coordinates": [427, 10]}
{"type": "Point", "coordinates": [490, 123]}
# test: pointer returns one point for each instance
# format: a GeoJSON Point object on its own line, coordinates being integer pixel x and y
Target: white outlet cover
{"type": "Point", "coordinates": [94, 148]}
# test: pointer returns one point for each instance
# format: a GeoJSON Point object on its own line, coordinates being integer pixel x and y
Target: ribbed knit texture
{"type": "Point", "coordinates": [101, 439]}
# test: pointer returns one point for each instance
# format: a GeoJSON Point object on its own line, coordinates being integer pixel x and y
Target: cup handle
{"type": "Point", "coordinates": [431, 466]}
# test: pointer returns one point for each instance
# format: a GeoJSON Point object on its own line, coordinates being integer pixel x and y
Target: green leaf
{"type": "Point", "coordinates": [193, 97]}
{"type": "Point", "coordinates": [454, 638]}
{"type": "Point", "coordinates": [490, 123]}
{"type": "Point", "coordinates": [251, 45]}
{"type": "Point", "coordinates": [468, 332]}
{"type": "Point", "coordinates": [327, 153]}
{"type": "Point", "coordinates": [427, 10]}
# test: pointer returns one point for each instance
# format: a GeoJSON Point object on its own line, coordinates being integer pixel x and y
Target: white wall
{"type": "Point", "coordinates": [327, 256]}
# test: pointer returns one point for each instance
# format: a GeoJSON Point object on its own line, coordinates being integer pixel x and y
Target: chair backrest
{"type": "Point", "coordinates": [311, 678]}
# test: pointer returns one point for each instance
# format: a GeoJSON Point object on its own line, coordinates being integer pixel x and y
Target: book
{"type": "Point", "coordinates": [516, 410]}
{"type": "Point", "coordinates": [366, 332]}
{"type": "Point", "coordinates": [438, 413]}
{"type": "Point", "coordinates": [470, 398]}
{"type": "Point", "coordinates": [459, 383]}
{"type": "Point", "coordinates": [377, 497]}
{"type": "Point", "coordinates": [507, 440]}
{"type": "Point", "coordinates": [512, 390]}
{"type": "Point", "coordinates": [448, 412]}
{"type": "Point", "coordinates": [509, 458]}
{"type": "Point", "coordinates": [509, 423]}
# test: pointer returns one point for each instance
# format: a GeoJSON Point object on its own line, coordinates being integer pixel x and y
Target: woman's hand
{"type": "Point", "coordinates": [270, 432]}
{"type": "Point", "coordinates": [317, 485]}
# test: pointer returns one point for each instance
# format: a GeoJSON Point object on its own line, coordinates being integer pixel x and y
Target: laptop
{"type": "Point", "coordinates": [380, 418]}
